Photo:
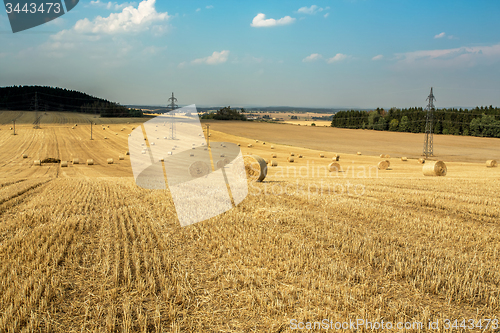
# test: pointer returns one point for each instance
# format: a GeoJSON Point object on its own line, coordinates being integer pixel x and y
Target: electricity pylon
{"type": "Point", "coordinates": [429, 140]}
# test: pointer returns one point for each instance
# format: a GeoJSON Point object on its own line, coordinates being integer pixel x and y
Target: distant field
{"type": "Point", "coordinates": [83, 249]}
{"type": "Point", "coordinates": [51, 117]}
{"type": "Point", "coordinates": [368, 142]}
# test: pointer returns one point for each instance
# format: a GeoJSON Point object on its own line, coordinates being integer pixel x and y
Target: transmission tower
{"type": "Point", "coordinates": [172, 117]}
{"type": "Point", "coordinates": [428, 142]}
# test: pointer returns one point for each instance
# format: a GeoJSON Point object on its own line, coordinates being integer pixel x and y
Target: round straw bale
{"type": "Point", "coordinates": [10, 128]}
{"type": "Point", "coordinates": [404, 159]}
{"type": "Point", "coordinates": [239, 145]}
{"type": "Point", "coordinates": [383, 165]}
{"type": "Point", "coordinates": [322, 155]}
{"type": "Point", "coordinates": [104, 128]}
{"type": "Point", "coordinates": [127, 153]}
{"type": "Point", "coordinates": [64, 164]}
{"type": "Point", "coordinates": [121, 157]}
{"type": "Point", "coordinates": [268, 161]}
{"type": "Point", "coordinates": [358, 153]}
{"type": "Point", "coordinates": [255, 167]}
{"type": "Point", "coordinates": [382, 155]}
{"type": "Point", "coordinates": [300, 156]}
{"type": "Point", "coordinates": [73, 127]}
{"type": "Point", "coordinates": [105, 138]}
{"type": "Point", "coordinates": [272, 147]}
{"type": "Point", "coordinates": [491, 164]}
{"type": "Point", "coordinates": [263, 143]}
{"type": "Point", "coordinates": [421, 160]}
{"type": "Point", "coordinates": [434, 168]}
{"type": "Point", "coordinates": [335, 157]}
{"type": "Point", "coordinates": [334, 167]}
{"type": "Point", "coordinates": [191, 155]}
{"type": "Point", "coordinates": [25, 156]}
{"type": "Point", "coordinates": [76, 125]}
{"type": "Point", "coordinates": [274, 155]}
{"type": "Point", "coordinates": [133, 128]}
{"type": "Point", "coordinates": [292, 154]}
{"type": "Point", "coordinates": [250, 146]}
{"type": "Point", "coordinates": [290, 159]}
{"type": "Point", "coordinates": [90, 162]}
{"type": "Point", "coordinates": [257, 141]}
{"type": "Point", "coordinates": [220, 164]}
{"type": "Point", "coordinates": [274, 163]}
{"type": "Point", "coordinates": [199, 169]}
{"type": "Point", "coordinates": [387, 156]}
{"type": "Point", "coordinates": [76, 161]}
{"type": "Point", "coordinates": [37, 162]}
{"type": "Point", "coordinates": [110, 161]}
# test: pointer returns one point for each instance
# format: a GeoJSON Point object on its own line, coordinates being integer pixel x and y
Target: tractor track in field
{"type": "Point", "coordinates": [19, 197]}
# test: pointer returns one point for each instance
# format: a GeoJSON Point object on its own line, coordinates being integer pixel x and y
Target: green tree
{"type": "Point", "coordinates": [394, 125]}
{"type": "Point", "coordinates": [404, 125]}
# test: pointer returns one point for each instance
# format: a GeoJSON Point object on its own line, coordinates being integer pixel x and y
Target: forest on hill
{"type": "Point", "coordinates": [44, 98]}
{"type": "Point", "coordinates": [480, 121]}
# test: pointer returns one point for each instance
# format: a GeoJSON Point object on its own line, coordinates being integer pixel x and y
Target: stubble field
{"type": "Point", "coordinates": [83, 249]}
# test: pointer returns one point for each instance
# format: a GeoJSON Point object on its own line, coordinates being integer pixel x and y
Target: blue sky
{"type": "Point", "coordinates": [331, 53]}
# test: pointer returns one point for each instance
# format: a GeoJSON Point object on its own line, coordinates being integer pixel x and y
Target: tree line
{"type": "Point", "coordinates": [226, 113]}
{"type": "Point", "coordinates": [45, 98]}
{"type": "Point", "coordinates": [480, 121]}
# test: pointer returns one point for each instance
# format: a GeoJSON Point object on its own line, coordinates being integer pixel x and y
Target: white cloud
{"type": "Point", "coordinates": [310, 10]}
{"type": "Point", "coordinates": [198, 9]}
{"type": "Point", "coordinates": [337, 57]}
{"type": "Point", "coordinates": [441, 35]}
{"type": "Point", "coordinates": [326, 15]}
{"type": "Point", "coordinates": [130, 19]}
{"type": "Point", "coordinates": [312, 57]}
{"type": "Point", "coordinates": [209, 7]}
{"type": "Point", "coordinates": [261, 21]}
{"type": "Point", "coordinates": [457, 57]}
{"type": "Point", "coordinates": [378, 57]}
{"type": "Point", "coordinates": [111, 5]}
{"type": "Point", "coordinates": [214, 59]}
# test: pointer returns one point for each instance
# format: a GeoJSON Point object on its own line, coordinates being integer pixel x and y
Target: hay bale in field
{"type": "Point", "coordinates": [250, 145]}
{"type": "Point", "coordinates": [25, 156]}
{"type": "Point", "coordinates": [292, 154]}
{"type": "Point", "coordinates": [37, 162]}
{"type": "Point", "coordinates": [123, 129]}
{"type": "Point", "coordinates": [274, 155]}
{"type": "Point", "coordinates": [105, 138]}
{"type": "Point", "coordinates": [127, 153]}
{"type": "Point", "coordinates": [108, 126]}
{"type": "Point", "coordinates": [191, 155]}
{"type": "Point", "coordinates": [199, 169]}
{"type": "Point", "coordinates": [383, 165]}
{"type": "Point", "coordinates": [290, 159]}
{"type": "Point", "coordinates": [491, 164]}
{"type": "Point", "coordinates": [51, 160]}
{"type": "Point", "coordinates": [404, 159]}
{"type": "Point", "coordinates": [64, 164]}
{"type": "Point", "coordinates": [336, 158]}
{"type": "Point", "coordinates": [110, 161]}
{"type": "Point", "coordinates": [133, 128]}
{"type": "Point", "coordinates": [272, 147]}
{"type": "Point", "coordinates": [358, 153]}
{"type": "Point", "coordinates": [10, 128]}
{"type": "Point", "coordinates": [239, 145]}
{"type": "Point", "coordinates": [387, 156]}
{"type": "Point", "coordinates": [76, 125]}
{"type": "Point", "coordinates": [274, 163]}
{"type": "Point", "coordinates": [257, 141]}
{"type": "Point", "coordinates": [263, 143]}
{"type": "Point", "coordinates": [333, 167]}
{"type": "Point", "coordinates": [104, 128]}
{"type": "Point", "coordinates": [322, 155]}
{"type": "Point", "coordinates": [116, 133]}
{"type": "Point", "coordinates": [382, 155]}
{"type": "Point", "coordinates": [73, 127]}
{"type": "Point", "coordinates": [268, 161]}
{"type": "Point", "coordinates": [90, 162]}
{"type": "Point", "coordinates": [76, 161]}
{"type": "Point", "coordinates": [255, 169]}
{"type": "Point", "coordinates": [300, 156]}
{"type": "Point", "coordinates": [435, 168]}
{"type": "Point", "coordinates": [421, 160]}
{"type": "Point", "coordinates": [121, 157]}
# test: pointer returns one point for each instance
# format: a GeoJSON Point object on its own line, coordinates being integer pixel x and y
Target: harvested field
{"type": "Point", "coordinates": [83, 248]}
